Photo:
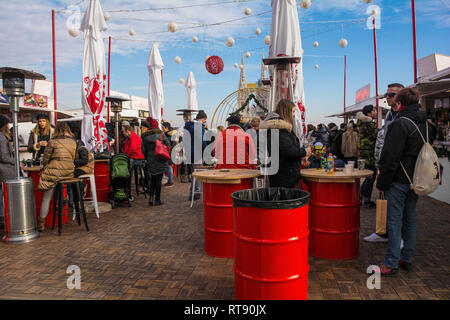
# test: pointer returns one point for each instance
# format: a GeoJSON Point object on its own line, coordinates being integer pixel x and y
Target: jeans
{"type": "Point", "coordinates": [155, 186]}
{"type": "Point", "coordinates": [401, 223]}
{"type": "Point", "coordinates": [170, 174]}
{"type": "Point", "coordinates": [46, 199]}
{"type": "Point", "coordinates": [367, 185]}
{"type": "Point", "coordinates": [197, 183]}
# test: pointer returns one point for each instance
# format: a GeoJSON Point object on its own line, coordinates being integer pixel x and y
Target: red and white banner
{"type": "Point", "coordinates": [94, 133]}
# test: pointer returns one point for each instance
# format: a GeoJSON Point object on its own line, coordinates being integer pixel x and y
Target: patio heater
{"type": "Point", "coordinates": [116, 107]}
{"type": "Point", "coordinates": [20, 209]}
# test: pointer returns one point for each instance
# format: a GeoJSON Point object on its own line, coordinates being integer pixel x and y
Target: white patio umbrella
{"type": "Point", "coordinates": [93, 130]}
{"type": "Point", "coordinates": [191, 88]}
{"type": "Point", "coordinates": [155, 66]}
{"type": "Point", "coordinates": [286, 41]}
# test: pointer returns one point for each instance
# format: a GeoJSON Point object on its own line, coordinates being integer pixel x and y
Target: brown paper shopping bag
{"type": "Point", "coordinates": [381, 215]}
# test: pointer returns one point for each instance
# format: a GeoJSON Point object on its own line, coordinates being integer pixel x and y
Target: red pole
{"type": "Point", "coordinates": [345, 84]}
{"type": "Point", "coordinates": [54, 65]}
{"type": "Point", "coordinates": [414, 38]}
{"type": "Point", "coordinates": [376, 66]}
{"type": "Point", "coordinates": [109, 73]}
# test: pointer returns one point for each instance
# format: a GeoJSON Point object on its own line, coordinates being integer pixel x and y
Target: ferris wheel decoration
{"type": "Point", "coordinates": [214, 65]}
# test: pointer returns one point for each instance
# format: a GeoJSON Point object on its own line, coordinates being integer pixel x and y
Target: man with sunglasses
{"type": "Point", "coordinates": [392, 91]}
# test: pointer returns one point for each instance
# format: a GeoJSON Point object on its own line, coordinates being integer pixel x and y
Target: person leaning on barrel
{"type": "Point", "coordinates": [40, 136]}
{"type": "Point", "coordinates": [290, 153]}
{"type": "Point", "coordinates": [58, 162]}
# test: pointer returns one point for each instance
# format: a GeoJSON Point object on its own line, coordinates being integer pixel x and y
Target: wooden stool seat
{"type": "Point", "coordinates": [71, 180]}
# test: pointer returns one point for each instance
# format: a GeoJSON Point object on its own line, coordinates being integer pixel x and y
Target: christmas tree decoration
{"type": "Point", "coordinates": [214, 65]}
{"type": "Point", "coordinates": [305, 4]}
{"type": "Point", "coordinates": [267, 40]}
{"type": "Point", "coordinates": [248, 11]}
{"type": "Point", "coordinates": [172, 27]}
{"type": "Point", "coordinates": [74, 32]}
{"type": "Point", "coordinates": [315, 44]}
{"type": "Point", "coordinates": [194, 39]}
{"type": "Point", "coordinates": [229, 42]}
{"type": "Point", "coordinates": [343, 43]}
{"type": "Point", "coordinates": [257, 31]}
{"type": "Point", "coordinates": [177, 59]}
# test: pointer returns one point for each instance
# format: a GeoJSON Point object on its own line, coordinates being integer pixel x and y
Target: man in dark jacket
{"type": "Point", "coordinates": [338, 142]}
{"type": "Point", "coordinates": [402, 145]}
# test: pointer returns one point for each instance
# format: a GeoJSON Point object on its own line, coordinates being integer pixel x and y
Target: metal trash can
{"type": "Point", "coordinates": [20, 211]}
{"type": "Point", "coordinates": [270, 231]}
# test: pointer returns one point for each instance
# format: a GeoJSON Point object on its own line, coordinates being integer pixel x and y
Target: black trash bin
{"type": "Point", "coordinates": [270, 232]}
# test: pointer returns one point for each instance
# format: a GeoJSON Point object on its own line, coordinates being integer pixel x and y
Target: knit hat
{"type": "Point", "coordinates": [42, 116]}
{"type": "Point", "coordinates": [367, 109]}
{"type": "Point", "coordinates": [234, 119]}
{"type": "Point", "coordinates": [153, 123]}
{"type": "Point", "coordinates": [125, 123]}
{"type": "Point", "coordinates": [144, 124]}
{"type": "Point", "coordinates": [3, 121]}
{"type": "Point", "coordinates": [201, 115]}
{"type": "Point", "coordinates": [166, 125]}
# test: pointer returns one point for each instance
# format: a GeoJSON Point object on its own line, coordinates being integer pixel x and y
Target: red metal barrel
{"type": "Point", "coordinates": [334, 220]}
{"type": "Point", "coordinates": [35, 175]}
{"type": "Point", "coordinates": [218, 216]}
{"type": "Point", "coordinates": [271, 250]}
{"type": "Point", "coordinates": [101, 172]}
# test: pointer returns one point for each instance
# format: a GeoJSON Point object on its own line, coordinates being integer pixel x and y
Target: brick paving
{"type": "Point", "coordinates": [157, 253]}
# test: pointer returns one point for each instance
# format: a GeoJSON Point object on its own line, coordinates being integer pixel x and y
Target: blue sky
{"type": "Point", "coordinates": [25, 30]}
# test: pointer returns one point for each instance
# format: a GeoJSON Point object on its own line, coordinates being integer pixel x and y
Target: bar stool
{"type": "Point", "coordinates": [91, 178]}
{"type": "Point", "coordinates": [58, 202]}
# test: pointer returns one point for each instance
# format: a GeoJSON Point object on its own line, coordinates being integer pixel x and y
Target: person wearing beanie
{"type": "Point", "coordinates": [40, 136]}
{"type": "Point", "coordinates": [144, 127]}
{"type": "Point", "coordinates": [235, 141]}
{"type": "Point", "coordinates": [7, 162]}
{"type": "Point", "coordinates": [367, 137]}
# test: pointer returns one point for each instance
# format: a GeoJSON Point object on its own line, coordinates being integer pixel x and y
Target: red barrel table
{"type": "Point", "coordinates": [34, 174]}
{"type": "Point", "coordinates": [218, 185]}
{"type": "Point", "coordinates": [101, 173]}
{"type": "Point", "coordinates": [334, 216]}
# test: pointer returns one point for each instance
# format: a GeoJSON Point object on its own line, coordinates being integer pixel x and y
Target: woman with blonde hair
{"type": "Point", "coordinates": [58, 161]}
{"type": "Point", "coordinates": [40, 136]}
{"type": "Point", "coordinates": [289, 151]}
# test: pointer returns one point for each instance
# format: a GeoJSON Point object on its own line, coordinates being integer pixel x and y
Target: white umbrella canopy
{"type": "Point", "coordinates": [191, 88]}
{"type": "Point", "coordinates": [286, 41]}
{"type": "Point", "coordinates": [155, 66]}
{"type": "Point", "coordinates": [93, 130]}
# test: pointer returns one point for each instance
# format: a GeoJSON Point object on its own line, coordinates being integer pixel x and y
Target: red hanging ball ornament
{"type": "Point", "coordinates": [214, 65]}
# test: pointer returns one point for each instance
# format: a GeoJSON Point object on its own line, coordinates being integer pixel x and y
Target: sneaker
{"type": "Point", "coordinates": [168, 184]}
{"type": "Point", "coordinates": [387, 271]}
{"type": "Point", "coordinates": [407, 266]}
{"type": "Point", "coordinates": [374, 237]}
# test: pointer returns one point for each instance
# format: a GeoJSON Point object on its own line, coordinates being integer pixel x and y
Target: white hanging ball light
{"type": "Point", "coordinates": [248, 11]}
{"type": "Point", "coordinates": [305, 4]}
{"type": "Point", "coordinates": [194, 39]}
{"type": "Point", "coordinates": [236, 65]}
{"type": "Point", "coordinates": [229, 42]}
{"type": "Point", "coordinates": [74, 32]}
{"type": "Point", "coordinates": [241, 67]}
{"type": "Point", "coordinates": [267, 40]}
{"type": "Point", "coordinates": [181, 81]}
{"type": "Point", "coordinates": [257, 31]}
{"type": "Point", "coordinates": [177, 59]}
{"type": "Point", "coordinates": [343, 43]}
{"type": "Point", "coordinates": [131, 32]}
{"type": "Point", "coordinates": [247, 54]}
{"type": "Point", "coordinates": [367, 1]}
{"type": "Point", "coordinates": [107, 16]}
{"type": "Point", "coordinates": [316, 66]}
{"type": "Point", "coordinates": [172, 27]}
{"type": "Point", "coordinates": [316, 44]}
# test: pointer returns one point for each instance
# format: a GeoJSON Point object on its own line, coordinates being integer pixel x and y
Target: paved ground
{"type": "Point", "coordinates": [157, 253]}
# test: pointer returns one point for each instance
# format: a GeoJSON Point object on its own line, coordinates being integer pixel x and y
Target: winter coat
{"type": "Point", "coordinates": [84, 159]}
{"type": "Point", "coordinates": [132, 146]}
{"type": "Point", "coordinates": [337, 146]}
{"type": "Point", "coordinates": [235, 141]}
{"type": "Point", "coordinates": [367, 134]}
{"type": "Point", "coordinates": [290, 153]}
{"type": "Point", "coordinates": [58, 161]}
{"type": "Point", "coordinates": [403, 143]}
{"type": "Point", "coordinates": [350, 144]}
{"type": "Point", "coordinates": [391, 116]}
{"type": "Point", "coordinates": [192, 153]}
{"type": "Point", "coordinates": [309, 138]}
{"type": "Point", "coordinates": [7, 162]}
{"type": "Point", "coordinates": [33, 143]}
{"type": "Point", "coordinates": [154, 165]}
{"type": "Point", "coordinates": [322, 135]}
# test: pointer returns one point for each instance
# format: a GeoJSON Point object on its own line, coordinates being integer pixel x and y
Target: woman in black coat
{"type": "Point", "coordinates": [155, 167]}
{"type": "Point", "coordinates": [289, 151]}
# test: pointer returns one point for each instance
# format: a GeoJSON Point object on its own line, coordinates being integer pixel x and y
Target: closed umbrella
{"type": "Point", "coordinates": [191, 88]}
{"type": "Point", "coordinates": [155, 66]}
{"type": "Point", "coordinates": [94, 133]}
{"type": "Point", "coordinates": [286, 41]}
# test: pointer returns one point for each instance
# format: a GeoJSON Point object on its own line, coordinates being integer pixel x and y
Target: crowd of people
{"type": "Point", "coordinates": [389, 152]}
